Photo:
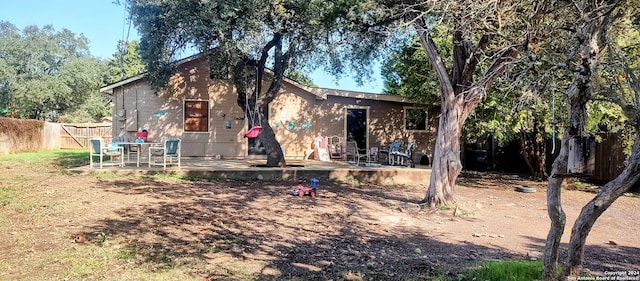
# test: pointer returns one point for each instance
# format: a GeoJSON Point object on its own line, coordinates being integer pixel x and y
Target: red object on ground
{"type": "Point", "coordinates": [302, 191]}
{"type": "Point", "coordinates": [80, 238]}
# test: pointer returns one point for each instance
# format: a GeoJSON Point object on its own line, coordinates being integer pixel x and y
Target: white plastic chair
{"type": "Point", "coordinates": [98, 149]}
{"type": "Point", "coordinates": [169, 150]}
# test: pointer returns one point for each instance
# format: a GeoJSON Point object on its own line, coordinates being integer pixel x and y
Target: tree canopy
{"type": "Point", "coordinates": [47, 74]}
{"type": "Point", "coordinates": [126, 62]}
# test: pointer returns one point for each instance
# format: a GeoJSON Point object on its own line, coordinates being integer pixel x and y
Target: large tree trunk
{"type": "Point", "coordinates": [275, 156]}
{"type": "Point", "coordinates": [446, 165]}
{"type": "Point", "coordinates": [459, 98]}
{"type": "Point", "coordinates": [259, 99]}
{"type": "Point", "coordinates": [590, 212]}
{"type": "Point", "coordinates": [593, 25]}
{"type": "Point", "coordinates": [578, 96]}
{"type": "Point", "coordinates": [554, 209]}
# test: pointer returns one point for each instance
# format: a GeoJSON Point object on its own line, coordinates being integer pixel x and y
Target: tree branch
{"type": "Point", "coordinates": [446, 87]}
{"type": "Point", "coordinates": [473, 58]}
{"type": "Point", "coordinates": [498, 66]}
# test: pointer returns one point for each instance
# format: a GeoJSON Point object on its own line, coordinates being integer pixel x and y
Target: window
{"type": "Point", "coordinates": [415, 119]}
{"type": "Point", "coordinates": [196, 116]}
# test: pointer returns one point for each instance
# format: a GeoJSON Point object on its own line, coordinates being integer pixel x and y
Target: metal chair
{"type": "Point", "coordinates": [336, 147]}
{"type": "Point", "coordinates": [355, 153]}
{"type": "Point", "coordinates": [98, 149]}
{"type": "Point", "coordinates": [392, 153]}
{"type": "Point", "coordinates": [129, 148]}
{"type": "Point", "coordinates": [169, 150]}
{"type": "Point", "coordinates": [406, 154]}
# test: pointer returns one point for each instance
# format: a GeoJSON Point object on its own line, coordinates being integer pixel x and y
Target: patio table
{"type": "Point", "coordinates": [139, 145]}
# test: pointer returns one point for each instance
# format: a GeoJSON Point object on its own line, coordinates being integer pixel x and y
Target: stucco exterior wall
{"type": "Point", "coordinates": [162, 112]}
{"type": "Point", "coordinates": [296, 116]}
{"type": "Point", "coordinates": [292, 115]}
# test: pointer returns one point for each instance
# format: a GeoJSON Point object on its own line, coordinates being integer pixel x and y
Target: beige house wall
{"type": "Point", "coordinates": [292, 116]}
{"type": "Point", "coordinates": [296, 115]}
{"type": "Point", "coordinates": [162, 112]}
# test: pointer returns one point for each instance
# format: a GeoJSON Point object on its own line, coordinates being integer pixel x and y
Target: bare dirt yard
{"type": "Point", "coordinates": [164, 228]}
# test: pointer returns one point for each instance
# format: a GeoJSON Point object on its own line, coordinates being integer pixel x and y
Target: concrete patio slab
{"type": "Point", "coordinates": [298, 169]}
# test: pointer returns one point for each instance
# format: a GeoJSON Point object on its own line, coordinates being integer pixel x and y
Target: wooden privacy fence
{"type": "Point", "coordinates": [18, 135]}
{"type": "Point", "coordinates": [609, 159]}
{"type": "Point", "coordinates": [78, 135]}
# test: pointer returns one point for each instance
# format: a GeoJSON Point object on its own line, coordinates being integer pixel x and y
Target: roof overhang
{"type": "Point", "coordinates": [109, 89]}
{"type": "Point", "coordinates": [324, 92]}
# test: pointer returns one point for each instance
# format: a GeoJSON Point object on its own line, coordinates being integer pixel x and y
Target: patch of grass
{"type": "Point", "coordinates": [4, 220]}
{"type": "Point", "coordinates": [54, 159]}
{"type": "Point", "coordinates": [67, 159]}
{"type": "Point", "coordinates": [353, 276]}
{"type": "Point", "coordinates": [446, 207]}
{"type": "Point", "coordinates": [460, 213]}
{"type": "Point", "coordinates": [108, 175]}
{"type": "Point", "coordinates": [91, 261]}
{"type": "Point", "coordinates": [25, 205]}
{"type": "Point", "coordinates": [504, 270]}
{"type": "Point", "coordinates": [127, 254]}
{"type": "Point", "coordinates": [163, 177]}
{"type": "Point", "coordinates": [6, 195]}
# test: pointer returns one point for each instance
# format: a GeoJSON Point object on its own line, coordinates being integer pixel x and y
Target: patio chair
{"type": "Point", "coordinates": [168, 150]}
{"type": "Point", "coordinates": [373, 155]}
{"type": "Point", "coordinates": [392, 152]}
{"type": "Point", "coordinates": [355, 153]}
{"type": "Point", "coordinates": [129, 148]}
{"type": "Point", "coordinates": [406, 154]}
{"type": "Point", "coordinates": [336, 147]}
{"type": "Point", "coordinates": [99, 149]}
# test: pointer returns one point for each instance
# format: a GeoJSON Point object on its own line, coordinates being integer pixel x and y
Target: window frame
{"type": "Point", "coordinates": [185, 118]}
{"type": "Point", "coordinates": [406, 110]}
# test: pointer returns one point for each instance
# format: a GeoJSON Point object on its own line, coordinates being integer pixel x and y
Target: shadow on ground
{"type": "Point", "coordinates": [600, 258]}
{"type": "Point", "coordinates": [232, 230]}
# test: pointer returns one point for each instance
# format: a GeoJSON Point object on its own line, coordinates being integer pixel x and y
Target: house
{"type": "Point", "coordinates": [204, 113]}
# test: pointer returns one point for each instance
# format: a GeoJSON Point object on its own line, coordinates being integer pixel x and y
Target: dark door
{"type": "Point", "coordinates": [357, 127]}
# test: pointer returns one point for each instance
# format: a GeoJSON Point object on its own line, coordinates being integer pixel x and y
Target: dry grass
{"type": "Point", "coordinates": [20, 134]}
{"type": "Point", "coordinates": [167, 228]}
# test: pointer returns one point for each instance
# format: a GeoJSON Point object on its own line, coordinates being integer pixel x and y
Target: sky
{"type": "Point", "coordinates": [104, 23]}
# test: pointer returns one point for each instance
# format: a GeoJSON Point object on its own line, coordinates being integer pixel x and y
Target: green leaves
{"type": "Point", "coordinates": [126, 62]}
{"type": "Point", "coordinates": [45, 73]}
{"type": "Point", "coordinates": [408, 72]}
{"type": "Point", "coordinates": [334, 34]}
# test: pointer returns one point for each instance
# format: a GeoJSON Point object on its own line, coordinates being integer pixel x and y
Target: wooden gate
{"type": "Point", "coordinates": [78, 135]}
{"type": "Point", "coordinates": [610, 158]}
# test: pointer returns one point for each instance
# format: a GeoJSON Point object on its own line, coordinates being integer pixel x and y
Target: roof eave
{"type": "Point", "coordinates": [359, 95]}
{"type": "Point", "coordinates": [109, 89]}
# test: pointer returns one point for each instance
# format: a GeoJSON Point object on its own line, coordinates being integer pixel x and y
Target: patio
{"type": "Point", "coordinates": [299, 169]}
